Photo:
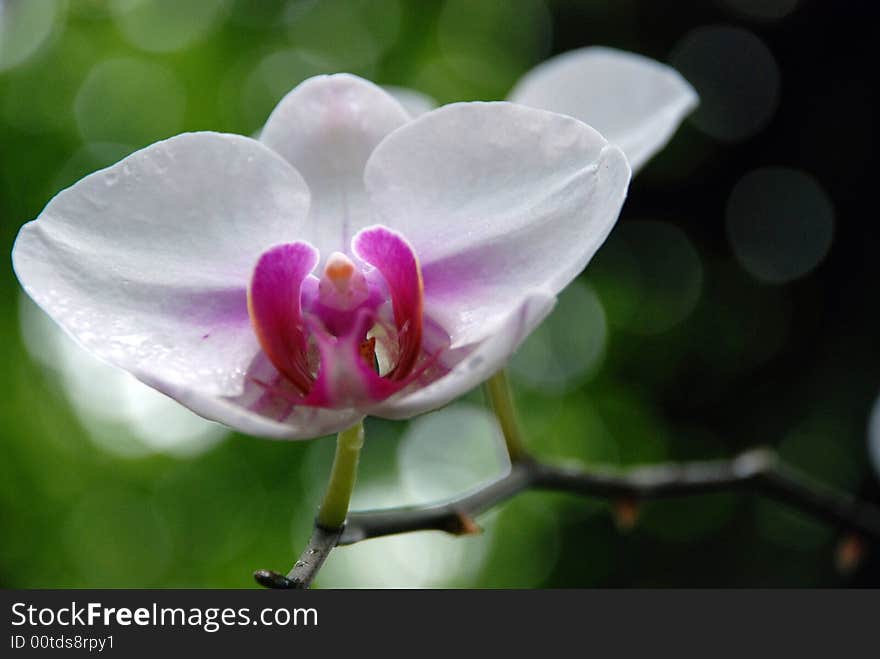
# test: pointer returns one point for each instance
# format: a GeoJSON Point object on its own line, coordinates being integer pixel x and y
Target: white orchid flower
{"type": "Point", "coordinates": [354, 261]}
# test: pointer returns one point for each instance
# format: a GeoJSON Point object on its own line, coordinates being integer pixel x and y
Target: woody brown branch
{"type": "Point", "coordinates": [759, 471]}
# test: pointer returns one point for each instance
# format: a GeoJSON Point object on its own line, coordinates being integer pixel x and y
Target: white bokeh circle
{"type": "Point", "coordinates": [780, 223]}
{"type": "Point", "coordinates": [736, 77]}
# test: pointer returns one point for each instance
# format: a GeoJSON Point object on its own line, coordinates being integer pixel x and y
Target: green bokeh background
{"type": "Point", "coordinates": [664, 349]}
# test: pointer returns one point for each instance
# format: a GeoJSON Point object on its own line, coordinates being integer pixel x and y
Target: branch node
{"type": "Point", "coordinates": [463, 524]}
{"type": "Point", "coordinates": [849, 554]}
{"type": "Point", "coordinates": [626, 514]}
{"type": "Point", "coordinates": [270, 579]}
{"type": "Point", "coordinates": [754, 463]}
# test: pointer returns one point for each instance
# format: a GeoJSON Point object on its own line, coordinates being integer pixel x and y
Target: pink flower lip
{"type": "Point", "coordinates": [323, 335]}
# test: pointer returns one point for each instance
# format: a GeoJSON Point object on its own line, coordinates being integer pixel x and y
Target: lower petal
{"type": "Point", "coordinates": [262, 409]}
{"type": "Point", "coordinates": [476, 363]}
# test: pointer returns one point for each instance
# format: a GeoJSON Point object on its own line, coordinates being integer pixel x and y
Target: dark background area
{"type": "Point", "coordinates": [830, 359]}
{"type": "Point", "coordinates": [700, 354]}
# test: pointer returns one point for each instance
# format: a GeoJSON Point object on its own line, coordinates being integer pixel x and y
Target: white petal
{"type": "Point", "coordinates": [497, 199]}
{"type": "Point", "coordinates": [479, 363]}
{"type": "Point", "coordinates": [299, 423]}
{"type": "Point", "coordinates": [414, 102]}
{"type": "Point", "coordinates": [327, 128]}
{"type": "Point", "coordinates": [633, 101]}
{"type": "Point", "coordinates": [146, 263]}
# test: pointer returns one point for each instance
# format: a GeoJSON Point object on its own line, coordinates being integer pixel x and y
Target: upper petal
{"type": "Point", "coordinates": [146, 263]}
{"type": "Point", "coordinates": [635, 102]}
{"type": "Point", "coordinates": [497, 199]}
{"type": "Point", "coordinates": [327, 128]}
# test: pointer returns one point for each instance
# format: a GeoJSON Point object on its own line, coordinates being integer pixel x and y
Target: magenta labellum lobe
{"type": "Point", "coordinates": [324, 334]}
{"type": "Point", "coordinates": [275, 309]}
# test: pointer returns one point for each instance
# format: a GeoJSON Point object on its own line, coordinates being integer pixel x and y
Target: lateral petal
{"type": "Point", "coordinates": [146, 263]}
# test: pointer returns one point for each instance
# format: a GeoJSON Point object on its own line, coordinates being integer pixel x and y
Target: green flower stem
{"type": "Point", "coordinates": [334, 507]}
{"type": "Point", "coordinates": [501, 399]}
